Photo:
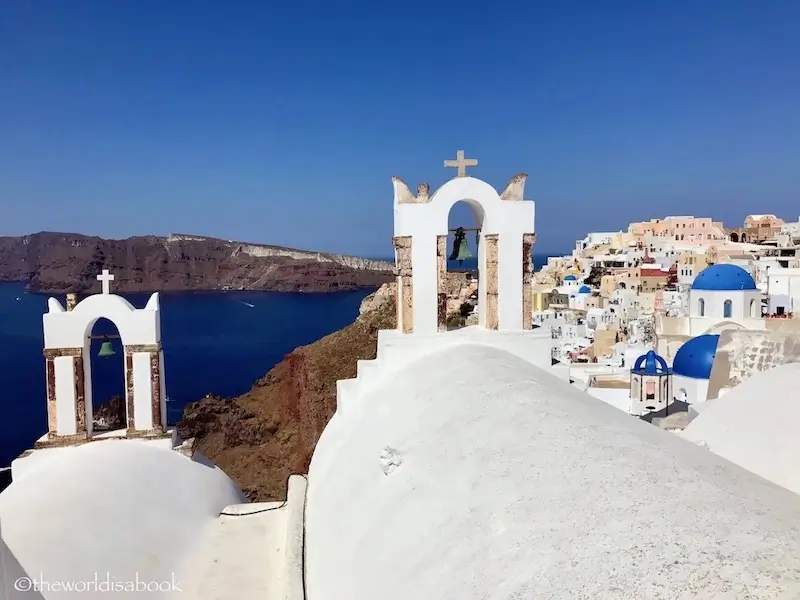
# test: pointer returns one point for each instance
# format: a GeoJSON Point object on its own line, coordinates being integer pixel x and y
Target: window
{"type": "Point", "coordinates": [727, 309]}
{"type": "Point", "coordinates": [701, 307]}
{"type": "Point", "coordinates": [753, 314]}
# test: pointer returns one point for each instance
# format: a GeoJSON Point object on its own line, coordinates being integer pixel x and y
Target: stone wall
{"type": "Point", "coordinates": [405, 308]}
{"type": "Point", "coordinates": [743, 353]}
{"type": "Point", "coordinates": [491, 252]}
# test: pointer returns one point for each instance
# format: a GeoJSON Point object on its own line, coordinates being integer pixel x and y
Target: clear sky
{"type": "Point", "coordinates": [282, 122]}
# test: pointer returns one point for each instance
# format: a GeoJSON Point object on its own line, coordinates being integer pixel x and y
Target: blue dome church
{"type": "Point", "coordinates": [651, 384]}
{"type": "Point", "coordinates": [691, 368]}
{"type": "Point", "coordinates": [724, 292]}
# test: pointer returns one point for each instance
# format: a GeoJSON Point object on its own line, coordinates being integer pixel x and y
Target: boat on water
{"type": "Point", "coordinates": [247, 304]}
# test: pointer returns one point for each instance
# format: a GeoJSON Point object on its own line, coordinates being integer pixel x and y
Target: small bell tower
{"type": "Point", "coordinates": [651, 385]}
{"type": "Point", "coordinates": [504, 244]}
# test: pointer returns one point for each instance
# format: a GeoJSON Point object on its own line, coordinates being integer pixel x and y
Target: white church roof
{"type": "Point", "coordinates": [472, 474]}
{"type": "Point", "coordinates": [755, 425]}
{"type": "Point", "coordinates": [118, 508]}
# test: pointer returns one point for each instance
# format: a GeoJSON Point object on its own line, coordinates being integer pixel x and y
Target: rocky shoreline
{"type": "Point", "coordinates": [63, 262]}
{"type": "Point", "coordinates": [269, 433]}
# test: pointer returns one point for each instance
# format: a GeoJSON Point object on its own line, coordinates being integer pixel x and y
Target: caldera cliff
{"type": "Point", "coordinates": [66, 262]}
{"type": "Point", "coordinates": [269, 433]}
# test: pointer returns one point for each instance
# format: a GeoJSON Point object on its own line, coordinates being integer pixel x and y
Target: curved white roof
{"type": "Point", "coordinates": [116, 507]}
{"type": "Point", "coordinates": [755, 425]}
{"type": "Point", "coordinates": [472, 474]}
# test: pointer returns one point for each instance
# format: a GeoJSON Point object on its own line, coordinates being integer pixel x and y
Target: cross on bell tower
{"type": "Point", "coordinates": [106, 278]}
{"type": "Point", "coordinates": [461, 163]}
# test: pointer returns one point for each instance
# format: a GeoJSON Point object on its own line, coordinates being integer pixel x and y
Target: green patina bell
{"type": "Point", "coordinates": [464, 252]}
{"type": "Point", "coordinates": [461, 251]}
{"type": "Point", "coordinates": [106, 350]}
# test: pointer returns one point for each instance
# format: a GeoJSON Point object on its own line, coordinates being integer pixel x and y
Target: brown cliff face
{"type": "Point", "coordinates": [62, 262]}
{"type": "Point", "coordinates": [269, 433]}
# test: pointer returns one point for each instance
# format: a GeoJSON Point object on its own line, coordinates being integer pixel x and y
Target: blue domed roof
{"type": "Point", "coordinates": [570, 278]}
{"type": "Point", "coordinates": [585, 289]}
{"type": "Point", "coordinates": [723, 277]}
{"type": "Point", "coordinates": [696, 357]}
{"type": "Point", "coordinates": [650, 364]}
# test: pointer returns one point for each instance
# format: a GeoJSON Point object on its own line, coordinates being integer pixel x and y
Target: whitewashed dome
{"type": "Point", "coordinates": [117, 507]}
{"type": "Point", "coordinates": [755, 425]}
{"type": "Point", "coordinates": [473, 475]}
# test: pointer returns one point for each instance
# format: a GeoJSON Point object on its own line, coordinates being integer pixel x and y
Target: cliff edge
{"type": "Point", "coordinates": [269, 433]}
{"type": "Point", "coordinates": [67, 262]}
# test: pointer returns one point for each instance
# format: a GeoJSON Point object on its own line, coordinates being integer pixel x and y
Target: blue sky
{"type": "Point", "coordinates": [283, 122]}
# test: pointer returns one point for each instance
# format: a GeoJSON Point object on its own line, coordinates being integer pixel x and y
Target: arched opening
{"type": "Point", "coordinates": [621, 285]}
{"type": "Point", "coordinates": [727, 309]}
{"type": "Point", "coordinates": [743, 238]}
{"type": "Point", "coordinates": [734, 237]}
{"type": "Point", "coordinates": [701, 307]}
{"type": "Point", "coordinates": [464, 286]}
{"type": "Point", "coordinates": [682, 395]}
{"type": "Point", "coordinates": [106, 408]}
{"type": "Point", "coordinates": [754, 309]}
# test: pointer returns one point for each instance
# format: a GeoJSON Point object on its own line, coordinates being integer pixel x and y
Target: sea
{"type": "Point", "coordinates": [214, 343]}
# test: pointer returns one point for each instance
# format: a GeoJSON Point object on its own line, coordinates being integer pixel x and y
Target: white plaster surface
{"type": "Point", "coordinates": [689, 389]}
{"type": "Point", "coordinates": [35, 458]}
{"type": "Point", "coordinates": [69, 329]}
{"type": "Point", "coordinates": [616, 397]}
{"type": "Point", "coordinates": [114, 507]}
{"type": "Point", "coordinates": [508, 483]}
{"type": "Point", "coordinates": [64, 367]}
{"type": "Point", "coordinates": [241, 555]}
{"type": "Point", "coordinates": [755, 425]}
{"type": "Point", "coordinates": [143, 391]}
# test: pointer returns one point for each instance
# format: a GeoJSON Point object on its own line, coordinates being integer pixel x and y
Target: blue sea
{"type": "Point", "coordinates": [214, 343]}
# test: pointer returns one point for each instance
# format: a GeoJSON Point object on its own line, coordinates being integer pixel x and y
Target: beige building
{"type": "Point", "coordinates": [690, 264]}
{"type": "Point", "coordinates": [691, 229]}
{"type": "Point", "coordinates": [652, 280]}
{"type": "Point", "coordinates": [757, 229]}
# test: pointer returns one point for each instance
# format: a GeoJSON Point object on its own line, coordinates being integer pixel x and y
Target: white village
{"type": "Point", "coordinates": [619, 425]}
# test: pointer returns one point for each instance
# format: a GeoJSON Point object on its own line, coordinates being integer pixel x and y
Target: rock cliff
{"type": "Point", "coordinates": [269, 433]}
{"type": "Point", "coordinates": [66, 262]}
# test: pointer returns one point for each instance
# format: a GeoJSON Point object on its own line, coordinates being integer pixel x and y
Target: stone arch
{"type": "Point", "coordinates": [90, 403]}
{"type": "Point", "coordinates": [734, 237]}
{"type": "Point", "coordinates": [504, 253]}
{"type": "Point", "coordinates": [724, 326]}
{"type": "Point", "coordinates": [68, 365]}
{"type": "Point", "coordinates": [743, 238]}
{"type": "Point", "coordinates": [442, 251]}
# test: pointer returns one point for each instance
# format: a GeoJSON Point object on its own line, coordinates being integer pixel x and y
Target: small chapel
{"type": "Point", "coordinates": [457, 465]}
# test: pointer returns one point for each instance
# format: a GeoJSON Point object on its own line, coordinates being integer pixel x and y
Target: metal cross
{"type": "Point", "coordinates": [461, 163]}
{"type": "Point", "coordinates": [106, 278]}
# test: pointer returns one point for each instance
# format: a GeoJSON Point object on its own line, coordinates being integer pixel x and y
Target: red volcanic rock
{"type": "Point", "coordinates": [65, 262]}
{"type": "Point", "coordinates": [269, 433]}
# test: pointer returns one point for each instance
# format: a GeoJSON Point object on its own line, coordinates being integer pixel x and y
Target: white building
{"type": "Point", "coordinates": [691, 368]}
{"type": "Point", "coordinates": [721, 294]}
{"type": "Point", "coordinates": [651, 385]}
{"type": "Point", "coordinates": [783, 290]}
